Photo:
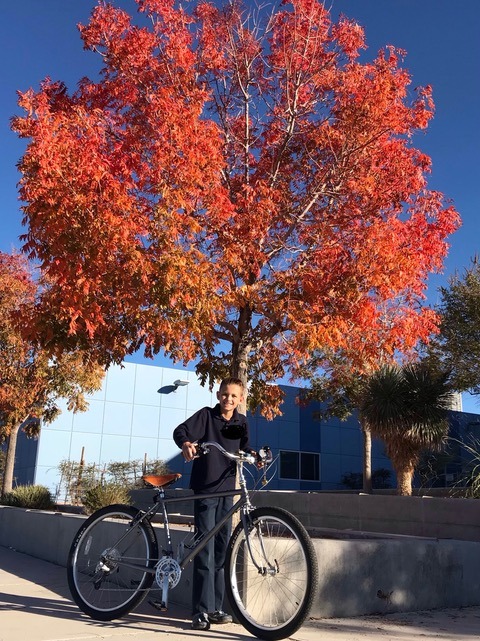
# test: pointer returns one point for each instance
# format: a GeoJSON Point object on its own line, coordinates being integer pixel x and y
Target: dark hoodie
{"type": "Point", "coordinates": [214, 472]}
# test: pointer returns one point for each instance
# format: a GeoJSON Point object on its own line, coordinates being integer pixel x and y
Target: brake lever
{"type": "Point", "coordinates": [265, 457]}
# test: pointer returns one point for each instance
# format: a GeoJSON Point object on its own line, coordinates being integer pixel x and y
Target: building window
{"type": "Point", "coordinates": [303, 466]}
{"type": "Point", "coordinates": [309, 466]}
{"type": "Point", "coordinates": [289, 465]}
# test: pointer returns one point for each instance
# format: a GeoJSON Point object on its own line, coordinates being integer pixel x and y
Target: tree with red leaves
{"type": "Point", "coordinates": [237, 189]}
{"type": "Point", "coordinates": [31, 380]}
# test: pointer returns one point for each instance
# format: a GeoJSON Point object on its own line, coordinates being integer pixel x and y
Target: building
{"type": "Point", "coordinates": [134, 414]}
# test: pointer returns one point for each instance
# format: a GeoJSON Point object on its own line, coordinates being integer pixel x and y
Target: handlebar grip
{"type": "Point", "coordinates": [265, 455]}
{"type": "Point", "coordinates": [200, 450]}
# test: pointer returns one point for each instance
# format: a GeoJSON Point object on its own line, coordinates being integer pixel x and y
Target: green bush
{"type": "Point", "coordinates": [35, 497]}
{"type": "Point", "coordinates": [104, 494]}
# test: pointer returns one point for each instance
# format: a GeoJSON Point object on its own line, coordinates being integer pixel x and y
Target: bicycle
{"type": "Point", "coordinates": [270, 569]}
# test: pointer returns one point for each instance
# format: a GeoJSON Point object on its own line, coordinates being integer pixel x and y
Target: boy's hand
{"type": "Point", "coordinates": [189, 451]}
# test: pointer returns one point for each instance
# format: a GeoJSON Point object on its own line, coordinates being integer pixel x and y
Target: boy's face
{"type": "Point", "coordinates": [229, 397]}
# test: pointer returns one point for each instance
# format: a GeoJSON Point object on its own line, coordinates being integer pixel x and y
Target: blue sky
{"type": "Point", "coordinates": [39, 38]}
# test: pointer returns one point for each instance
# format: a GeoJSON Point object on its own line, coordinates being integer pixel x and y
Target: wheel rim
{"type": "Point", "coordinates": [101, 580]}
{"type": "Point", "coordinates": [272, 598]}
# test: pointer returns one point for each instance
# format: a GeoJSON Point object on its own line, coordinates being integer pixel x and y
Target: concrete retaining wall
{"type": "Point", "coordinates": [356, 576]}
{"type": "Point", "coordinates": [395, 575]}
{"type": "Point", "coordinates": [444, 518]}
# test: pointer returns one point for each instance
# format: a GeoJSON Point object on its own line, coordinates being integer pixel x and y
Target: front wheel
{"type": "Point", "coordinates": [271, 573]}
{"type": "Point", "coordinates": [107, 563]}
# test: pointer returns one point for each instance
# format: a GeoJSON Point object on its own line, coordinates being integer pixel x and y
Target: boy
{"type": "Point", "coordinates": [213, 472]}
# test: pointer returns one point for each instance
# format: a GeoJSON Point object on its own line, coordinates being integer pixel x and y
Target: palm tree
{"type": "Point", "coordinates": [406, 407]}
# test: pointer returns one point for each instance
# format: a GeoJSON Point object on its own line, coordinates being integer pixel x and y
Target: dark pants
{"type": "Point", "coordinates": [208, 573]}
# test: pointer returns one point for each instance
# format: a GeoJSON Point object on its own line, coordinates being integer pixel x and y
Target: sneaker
{"type": "Point", "coordinates": [201, 621]}
{"type": "Point", "coordinates": [219, 617]}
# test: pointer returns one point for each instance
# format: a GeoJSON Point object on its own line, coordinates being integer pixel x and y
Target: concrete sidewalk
{"type": "Point", "coordinates": [35, 606]}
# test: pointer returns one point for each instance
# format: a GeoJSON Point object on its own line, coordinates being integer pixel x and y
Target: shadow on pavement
{"type": "Point", "coordinates": [30, 586]}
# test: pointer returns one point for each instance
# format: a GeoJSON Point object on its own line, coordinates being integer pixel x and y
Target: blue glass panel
{"type": "Point", "coordinates": [269, 433]}
{"type": "Point", "coordinates": [289, 484]}
{"type": "Point", "coordinates": [91, 420]}
{"type": "Point", "coordinates": [331, 468]}
{"type": "Point", "coordinates": [145, 420]}
{"type": "Point", "coordinates": [253, 431]}
{"type": "Point", "coordinates": [148, 381]}
{"type": "Point", "coordinates": [167, 450]}
{"type": "Point", "coordinates": [351, 440]}
{"type": "Point", "coordinates": [64, 421]}
{"type": "Point", "coordinates": [89, 443]}
{"type": "Point", "coordinates": [139, 447]}
{"type": "Point", "coordinates": [120, 383]}
{"type": "Point", "coordinates": [310, 436]}
{"type": "Point", "coordinates": [289, 436]}
{"type": "Point", "coordinates": [198, 396]}
{"type": "Point", "coordinates": [114, 448]}
{"type": "Point", "coordinates": [176, 398]}
{"type": "Point", "coordinates": [350, 463]}
{"type": "Point", "coordinates": [378, 449]}
{"type": "Point", "coordinates": [330, 439]}
{"type": "Point", "coordinates": [53, 446]}
{"type": "Point", "coordinates": [118, 418]}
{"type": "Point", "coordinates": [170, 418]}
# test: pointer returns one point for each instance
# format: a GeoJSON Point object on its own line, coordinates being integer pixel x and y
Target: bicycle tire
{"type": "Point", "coordinates": [99, 583]}
{"type": "Point", "coordinates": [271, 602]}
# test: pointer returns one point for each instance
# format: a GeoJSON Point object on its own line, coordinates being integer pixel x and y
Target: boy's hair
{"type": "Point", "coordinates": [231, 381]}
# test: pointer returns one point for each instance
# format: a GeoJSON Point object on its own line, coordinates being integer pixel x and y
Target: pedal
{"type": "Point", "coordinates": [159, 605]}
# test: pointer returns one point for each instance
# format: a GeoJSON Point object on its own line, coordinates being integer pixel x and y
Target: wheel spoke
{"type": "Point", "coordinates": [102, 579]}
{"type": "Point", "coordinates": [273, 602]}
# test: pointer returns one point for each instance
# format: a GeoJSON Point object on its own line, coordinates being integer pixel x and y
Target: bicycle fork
{"type": "Point", "coordinates": [267, 568]}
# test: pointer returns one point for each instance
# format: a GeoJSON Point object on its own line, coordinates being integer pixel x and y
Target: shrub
{"type": "Point", "coordinates": [76, 479]}
{"type": "Point", "coordinates": [35, 497]}
{"type": "Point", "coordinates": [104, 494]}
{"type": "Point", "coordinates": [381, 480]}
{"type": "Point", "coordinates": [353, 480]}
{"type": "Point", "coordinates": [470, 476]}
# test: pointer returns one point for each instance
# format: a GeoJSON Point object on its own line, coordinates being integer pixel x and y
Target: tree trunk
{"type": "Point", "coordinates": [7, 483]}
{"type": "Point", "coordinates": [367, 460]}
{"type": "Point", "coordinates": [240, 353]}
{"type": "Point", "coordinates": [404, 479]}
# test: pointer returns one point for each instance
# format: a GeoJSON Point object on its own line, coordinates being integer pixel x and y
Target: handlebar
{"type": "Point", "coordinates": [263, 456]}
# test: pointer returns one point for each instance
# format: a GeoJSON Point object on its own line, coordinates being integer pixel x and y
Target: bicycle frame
{"type": "Point", "coordinates": [161, 503]}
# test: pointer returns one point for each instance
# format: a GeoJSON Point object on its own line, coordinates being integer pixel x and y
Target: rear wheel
{"type": "Point", "coordinates": [107, 562]}
{"type": "Point", "coordinates": [271, 573]}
